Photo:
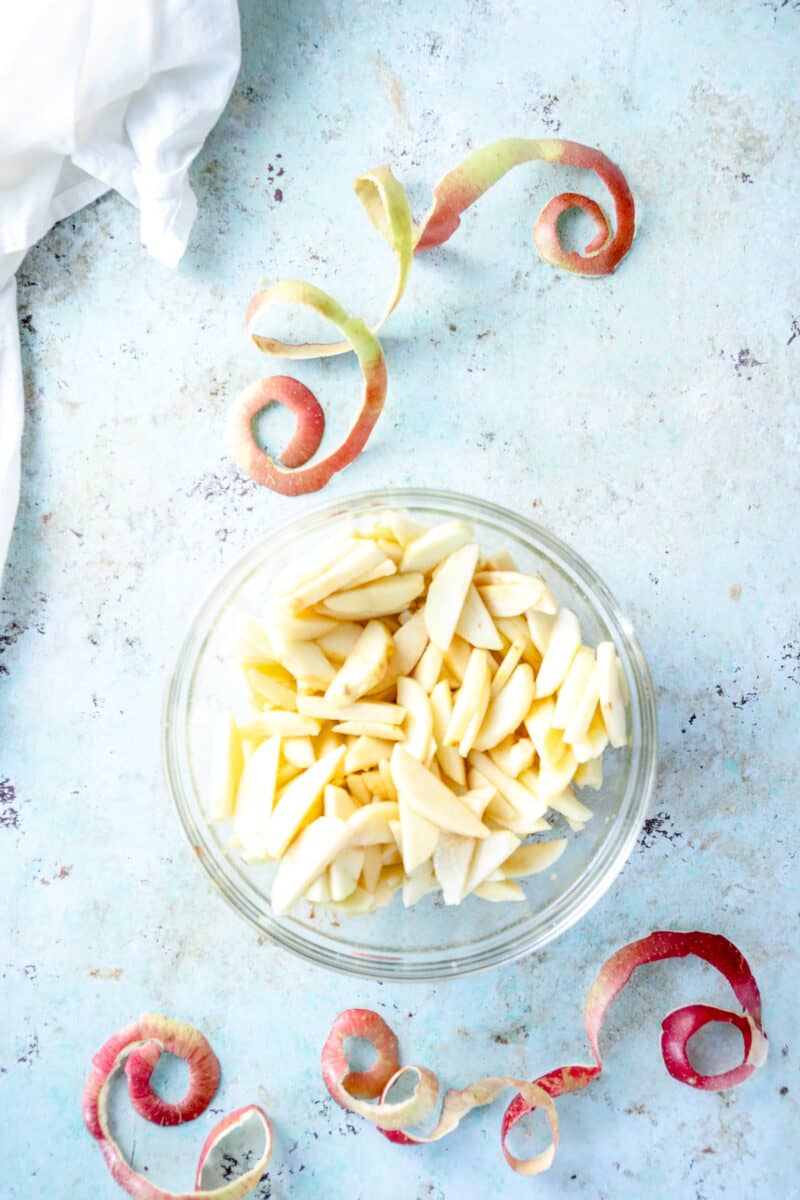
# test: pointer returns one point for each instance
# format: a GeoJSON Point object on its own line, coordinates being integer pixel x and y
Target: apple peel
{"type": "Point", "coordinates": [282, 389]}
{"type": "Point", "coordinates": [395, 1120]}
{"type": "Point", "coordinates": [138, 1048]}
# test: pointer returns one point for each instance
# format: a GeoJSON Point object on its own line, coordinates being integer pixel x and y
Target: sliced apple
{"type": "Point", "coordinates": [499, 560]}
{"type": "Point", "coordinates": [274, 723]}
{"type": "Point", "coordinates": [299, 751]}
{"type": "Point", "coordinates": [584, 712]}
{"type": "Point", "coordinates": [391, 549]}
{"type": "Point", "coordinates": [489, 855]}
{"type": "Point", "coordinates": [612, 700]}
{"type": "Point", "coordinates": [499, 891]}
{"type": "Point", "coordinates": [371, 868]}
{"type": "Point", "coordinates": [508, 709]}
{"type": "Point", "coordinates": [514, 791]}
{"type": "Point", "coordinates": [428, 668]}
{"type": "Point", "coordinates": [266, 689]}
{"type": "Point", "coordinates": [358, 789]}
{"type": "Point", "coordinates": [247, 639]}
{"type": "Point", "coordinates": [316, 847]}
{"type": "Point", "coordinates": [540, 628]}
{"type": "Point", "coordinates": [227, 761]}
{"type": "Point", "coordinates": [342, 574]}
{"type": "Point", "coordinates": [371, 729]}
{"type": "Point", "coordinates": [448, 757]}
{"type": "Point", "coordinates": [567, 803]}
{"type": "Point", "coordinates": [298, 801]}
{"type": "Point", "coordinates": [507, 594]}
{"type": "Point", "coordinates": [383, 570]}
{"type": "Point", "coordinates": [344, 871]}
{"type": "Point", "coordinates": [565, 639]}
{"type": "Point", "coordinates": [320, 890]}
{"type": "Point", "coordinates": [513, 755]}
{"type": "Point", "coordinates": [430, 798]}
{"type": "Point", "coordinates": [589, 774]}
{"type": "Point", "coordinates": [309, 666]}
{"type": "Point", "coordinates": [357, 903]}
{"type": "Point", "coordinates": [315, 562]}
{"type": "Point", "coordinates": [338, 802]}
{"type": "Point", "coordinates": [373, 781]}
{"type": "Point", "coordinates": [365, 665]}
{"type": "Point", "coordinates": [389, 881]}
{"type": "Point", "coordinates": [418, 884]}
{"type": "Point", "coordinates": [340, 641]}
{"type": "Point", "coordinates": [301, 626]}
{"type": "Point", "coordinates": [404, 528]}
{"type": "Point", "coordinates": [255, 797]}
{"type": "Point", "coordinates": [375, 599]}
{"type": "Point", "coordinates": [533, 857]}
{"type": "Point", "coordinates": [451, 862]}
{"type": "Point", "coordinates": [370, 826]}
{"type": "Point", "coordinates": [435, 545]}
{"type": "Point", "coordinates": [574, 685]}
{"type": "Point", "coordinates": [457, 657]}
{"type": "Point", "coordinates": [447, 593]}
{"type": "Point", "coordinates": [419, 721]}
{"type": "Point", "coordinates": [594, 741]}
{"type": "Point", "coordinates": [410, 641]}
{"type": "Point", "coordinates": [475, 689]}
{"type": "Point", "coordinates": [418, 837]}
{"type": "Point", "coordinates": [554, 777]}
{"type": "Point", "coordinates": [508, 665]}
{"type": "Point", "coordinates": [365, 753]}
{"type": "Point", "coordinates": [363, 710]}
{"type": "Point", "coordinates": [475, 624]}
{"type": "Point", "coordinates": [477, 799]}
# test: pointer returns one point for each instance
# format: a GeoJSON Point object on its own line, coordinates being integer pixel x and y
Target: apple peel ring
{"type": "Point", "coordinates": [395, 1120]}
{"type": "Point", "coordinates": [239, 437]}
{"type": "Point", "coordinates": [138, 1047]}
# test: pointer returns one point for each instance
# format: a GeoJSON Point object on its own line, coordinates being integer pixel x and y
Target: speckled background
{"type": "Point", "coordinates": [650, 419]}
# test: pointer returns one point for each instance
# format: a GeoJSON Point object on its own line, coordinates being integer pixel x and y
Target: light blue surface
{"type": "Point", "coordinates": [649, 419]}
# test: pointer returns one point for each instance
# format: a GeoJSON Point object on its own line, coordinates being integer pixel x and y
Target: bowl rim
{"type": "Point", "coordinates": [363, 961]}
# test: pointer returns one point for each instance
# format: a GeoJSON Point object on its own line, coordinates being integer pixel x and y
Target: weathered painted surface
{"type": "Point", "coordinates": [649, 419]}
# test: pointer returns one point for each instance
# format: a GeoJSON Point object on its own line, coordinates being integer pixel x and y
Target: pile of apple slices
{"type": "Point", "coordinates": [416, 709]}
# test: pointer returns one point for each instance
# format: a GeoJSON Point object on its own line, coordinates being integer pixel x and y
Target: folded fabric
{"type": "Point", "coordinates": [96, 96]}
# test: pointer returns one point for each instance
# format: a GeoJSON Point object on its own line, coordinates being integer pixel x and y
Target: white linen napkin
{"type": "Point", "coordinates": [99, 95]}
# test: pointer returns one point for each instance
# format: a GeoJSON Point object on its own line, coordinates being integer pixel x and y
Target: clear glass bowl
{"type": "Point", "coordinates": [428, 941]}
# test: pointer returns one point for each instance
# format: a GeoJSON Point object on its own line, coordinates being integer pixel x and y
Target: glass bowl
{"type": "Point", "coordinates": [428, 941]}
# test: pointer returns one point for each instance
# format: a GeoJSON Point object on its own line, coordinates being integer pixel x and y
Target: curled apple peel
{"type": "Point", "coordinates": [386, 204]}
{"type": "Point", "coordinates": [139, 1046]}
{"type": "Point", "coordinates": [395, 1119]}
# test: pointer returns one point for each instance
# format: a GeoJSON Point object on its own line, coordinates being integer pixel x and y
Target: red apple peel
{"type": "Point", "coordinates": [139, 1047]}
{"type": "Point", "coordinates": [394, 1120]}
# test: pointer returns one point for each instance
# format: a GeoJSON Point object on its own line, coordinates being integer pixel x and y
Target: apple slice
{"type": "Point", "coordinates": [363, 710]}
{"type": "Point", "coordinates": [311, 669]}
{"type": "Point", "coordinates": [358, 789]}
{"type": "Point", "coordinates": [475, 624]}
{"type": "Point", "coordinates": [513, 755]}
{"type": "Point", "coordinates": [371, 729]}
{"type": "Point", "coordinates": [540, 627]}
{"type": "Point", "coordinates": [584, 712]}
{"type": "Point", "coordinates": [299, 751]}
{"type": "Point", "coordinates": [388, 781]}
{"type": "Point", "coordinates": [565, 639]}
{"type": "Point", "coordinates": [375, 599]}
{"type": "Point", "coordinates": [489, 855]}
{"type": "Point", "coordinates": [338, 802]}
{"type": "Point", "coordinates": [457, 657]}
{"type": "Point", "coordinates": [554, 777]}
{"type": "Point", "coordinates": [266, 689]}
{"type": "Point", "coordinates": [410, 641]}
{"type": "Point", "coordinates": [256, 796]}
{"type": "Point", "coordinates": [297, 802]}
{"type": "Point", "coordinates": [477, 799]}
{"type": "Point", "coordinates": [499, 891]}
{"type": "Point", "coordinates": [539, 722]}
{"type": "Point", "coordinates": [390, 880]}
{"type": "Point", "coordinates": [247, 640]}
{"type": "Point", "coordinates": [344, 871]}
{"type": "Point", "coordinates": [418, 884]}
{"type": "Point", "coordinates": [508, 665]}
{"type": "Point", "coordinates": [316, 847]}
{"type": "Point", "coordinates": [447, 757]}
{"type": "Point", "coordinates": [357, 903]}
{"type": "Point", "coordinates": [343, 573]}
{"type": "Point", "coordinates": [514, 791]}
{"type": "Point", "coordinates": [573, 687]}
{"type": "Point", "coordinates": [569, 806]}
{"type": "Point", "coordinates": [509, 594]}
{"type": "Point", "coordinates": [451, 863]}
{"type": "Point", "coordinates": [340, 641]}
{"type": "Point", "coordinates": [612, 701]}
{"type": "Point", "coordinates": [384, 569]}
{"type": "Point", "coordinates": [418, 837]}
{"type": "Point", "coordinates": [430, 798]}
{"type": "Point", "coordinates": [594, 741]}
{"type": "Point", "coordinates": [365, 665]}
{"type": "Point", "coordinates": [370, 826]}
{"type": "Point", "coordinates": [312, 564]}
{"type": "Point", "coordinates": [589, 774]}
{"type": "Point", "coordinates": [274, 723]}
{"type": "Point", "coordinates": [435, 545]}
{"type": "Point", "coordinates": [301, 626]}
{"type": "Point", "coordinates": [373, 780]}
{"type": "Point", "coordinates": [320, 890]}
{"type": "Point", "coordinates": [470, 696]}
{"type": "Point", "coordinates": [227, 761]}
{"type": "Point", "coordinates": [428, 668]}
{"type": "Point", "coordinates": [371, 869]}
{"type": "Point", "coordinates": [419, 721]}
{"type": "Point", "coordinates": [508, 709]}
{"type": "Point", "coordinates": [533, 857]}
{"type": "Point", "coordinates": [447, 593]}
{"type": "Point", "coordinates": [404, 528]}
{"type": "Point", "coordinates": [366, 752]}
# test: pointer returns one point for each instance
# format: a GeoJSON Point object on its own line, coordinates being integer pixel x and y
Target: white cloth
{"type": "Point", "coordinates": [98, 94]}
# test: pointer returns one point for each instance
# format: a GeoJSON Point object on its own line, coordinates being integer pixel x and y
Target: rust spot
{"type": "Point", "coordinates": [111, 973]}
{"type": "Point", "coordinates": [279, 195]}
{"type": "Point", "coordinates": [735, 591]}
